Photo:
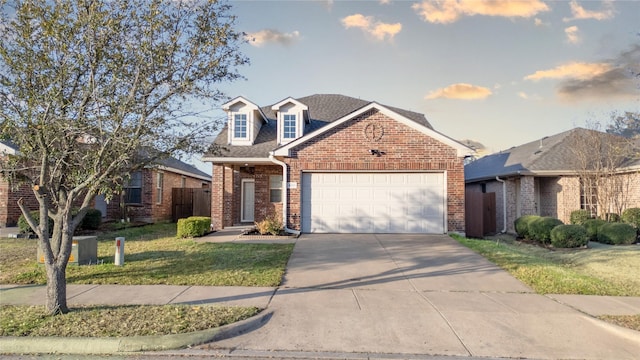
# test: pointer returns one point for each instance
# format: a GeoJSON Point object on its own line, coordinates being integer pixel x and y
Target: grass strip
{"type": "Point", "coordinates": [117, 321]}
{"type": "Point", "coordinates": [560, 272]}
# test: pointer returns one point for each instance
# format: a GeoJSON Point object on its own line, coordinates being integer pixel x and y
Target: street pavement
{"type": "Point", "coordinates": [385, 296]}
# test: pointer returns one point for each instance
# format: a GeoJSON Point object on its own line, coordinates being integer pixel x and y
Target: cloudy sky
{"type": "Point", "coordinates": [499, 72]}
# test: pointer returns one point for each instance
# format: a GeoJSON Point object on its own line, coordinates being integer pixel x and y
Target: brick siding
{"type": "Point", "coordinates": [9, 209]}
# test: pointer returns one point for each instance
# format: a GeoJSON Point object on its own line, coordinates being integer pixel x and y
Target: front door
{"type": "Point", "coordinates": [248, 200]}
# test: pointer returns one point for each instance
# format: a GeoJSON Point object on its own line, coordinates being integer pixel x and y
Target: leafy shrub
{"type": "Point", "coordinates": [569, 236]}
{"type": "Point", "coordinates": [193, 226]}
{"type": "Point", "coordinates": [24, 227]}
{"type": "Point", "coordinates": [611, 217]}
{"type": "Point", "coordinates": [92, 220]}
{"type": "Point", "coordinates": [522, 225]}
{"type": "Point", "coordinates": [593, 227]}
{"type": "Point", "coordinates": [578, 217]}
{"type": "Point", "coordinates": [270, 225]}
{"type": "Point", "coordinates": [540, 228]}
{"type": "Point", "coordinates": [617, 234]}
{"type": "Point", "coordinates": [632, 216]}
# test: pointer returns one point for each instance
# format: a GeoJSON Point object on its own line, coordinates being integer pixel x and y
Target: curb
{"type": "Point", "coordinates": [84, 345]}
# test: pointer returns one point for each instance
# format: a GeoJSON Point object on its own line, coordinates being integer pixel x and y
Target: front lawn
{"type": "Point", "coordinates": [150, 260]}
{"type": "Point", "coordinates": [118, 321]}
{"type": "Point", "coordinates": [602, 270]}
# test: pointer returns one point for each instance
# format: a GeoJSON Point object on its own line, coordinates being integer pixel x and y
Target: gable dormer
{"type": "Point", "coordinates": [244, 121]}
{"type": "Point", "coordinates": [292, 116]}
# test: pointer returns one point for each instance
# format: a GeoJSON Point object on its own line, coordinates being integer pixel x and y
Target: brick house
{"type": "Point", "coordinates": [333, 163]}
{"type": "Point", "coordinates": [542, 178]}
{"type": "Point", "coordinates": [148, 196]}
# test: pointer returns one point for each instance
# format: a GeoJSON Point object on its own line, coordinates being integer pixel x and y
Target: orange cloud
{"type": "Point", "coordinates": [460, 91]}
{"type": "Point", "coordinates": [573, 35]}
{"type": "Point", "coordinates": [580, 13]}
{"type": "Point", "coordinates": [449, 11]}
{"type": "Point", "coordinates": [575, 70]}
{"type": "Point", "coordinates": [379, 30]}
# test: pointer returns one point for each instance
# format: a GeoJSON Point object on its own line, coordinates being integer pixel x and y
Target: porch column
{"type": "Point", "coordinates": [528, 204]}
{"type": "Point", "coordinates": [217, 196]}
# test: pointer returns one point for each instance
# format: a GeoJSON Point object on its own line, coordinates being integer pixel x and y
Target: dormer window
{"type": "Point", "coordinates": [292, 116]}
{"type": "Point", "coordinates": [289, 131]}
{"type": "Point", "coordinates": [240, 126]}
{"type": "Point", "coordinates": [244, 121]}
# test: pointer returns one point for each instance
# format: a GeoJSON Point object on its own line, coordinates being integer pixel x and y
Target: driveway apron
{"type": "Point", "coordinates": [419, 294]}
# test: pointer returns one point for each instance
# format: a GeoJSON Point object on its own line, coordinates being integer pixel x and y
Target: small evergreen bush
{"type": "Point", "coordinates": [522, 225]}
{"type": "Point", "coordinates": [92, 220]}
{"type": "Point", "coordinates": [611, 217]}
{"type": "Point", "coordinates": [24, 227]}
{"type": "Point", "coordinates": [540, 228]}
{"type": "Point", "coordinates": [193, 226]}
{"type": "Point", "coordinates": [617, 234]}
{"type": "Point", "coordinates": [569, 236]}
{"type": "Point", "coordinates": [578, 217]}
{"type": "Point", "coordinates": [270, 225]}
{"type": "Point", "coordinates": [632, 216]}
{"type": "Point", "coordinates": [593, 227]}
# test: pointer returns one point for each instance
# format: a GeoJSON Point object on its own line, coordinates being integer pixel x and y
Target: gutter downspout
{"type": "Point", "coordinates": [504, 205]}
{"type": "Point", "coordinates": [285, 181]}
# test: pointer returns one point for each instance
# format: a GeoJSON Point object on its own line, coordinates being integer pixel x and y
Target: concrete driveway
{"type": "Point", "coordinates": [419, 294]}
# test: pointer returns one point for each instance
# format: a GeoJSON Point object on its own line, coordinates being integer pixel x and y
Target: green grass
{"type": "Point", "coordinates": [117, 321]}
{"type": "Point", "coordinates": [150, 260]}
{"type": "Point", "coordinates": [605, 270]}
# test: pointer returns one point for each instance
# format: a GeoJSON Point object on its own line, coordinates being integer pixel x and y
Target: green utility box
{"type": "Point", "coordinates": [84, 250]}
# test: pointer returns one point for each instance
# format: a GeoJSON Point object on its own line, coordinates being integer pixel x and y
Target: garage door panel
{"type": "Point", "coordinates": [373, 202]}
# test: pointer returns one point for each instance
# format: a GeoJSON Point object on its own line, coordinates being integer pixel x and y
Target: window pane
{"type": "Point", "coordinates": [275, 195]}
{"type": "Point", "coordinates": [275, 188]}
{"type": "Point", "coordinates": [159, 185]}
{"type": "Point", "coordinates": [133, 189]}
{"type": "Point", "coordinates": [240, 126]}
{"type": "Point", "coordinates": [133, 196]}
{"type": "Point", "coordinates": [289, 126]}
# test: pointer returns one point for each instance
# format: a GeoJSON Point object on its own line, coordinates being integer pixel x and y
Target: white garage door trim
{"type": "Point", "coordinates": [374, 202]}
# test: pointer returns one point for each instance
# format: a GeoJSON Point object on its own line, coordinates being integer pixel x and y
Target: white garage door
{"type": "Point", "coordinates": [373, 202]}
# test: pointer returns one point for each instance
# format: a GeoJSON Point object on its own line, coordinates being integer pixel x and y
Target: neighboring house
{"type": "Point", "coordinates": [9, 196]}
{"type": "Point", "coordinates": [542, 178]}
{"type": "Point", "coordinates": [148, 195]}
{"type": "Point", "coordinates": [333, 163]}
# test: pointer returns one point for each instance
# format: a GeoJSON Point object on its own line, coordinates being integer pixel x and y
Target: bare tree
{"type": "Point", "coordinates": [599, 160]}
{"type": "Point", "coordinates": [93, 90]}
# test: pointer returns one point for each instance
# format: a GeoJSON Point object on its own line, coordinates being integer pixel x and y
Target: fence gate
{"type": "Point", "coordinates": [190, 202]}
{"type": "Point", "coordinates": [480, 214]}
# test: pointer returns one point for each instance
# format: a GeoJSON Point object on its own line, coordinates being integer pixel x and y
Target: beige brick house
{"type": "Point", "coordinates": [542, 178]}
{"type": "Point", "coordinates": [333, 163]}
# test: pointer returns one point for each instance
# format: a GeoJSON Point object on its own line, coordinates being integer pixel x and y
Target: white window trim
{"type": "Point", "coordinates": [159, 187]}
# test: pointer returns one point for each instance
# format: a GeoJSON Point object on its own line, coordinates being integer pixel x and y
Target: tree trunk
{"type": "Point", "coordinates": [57, 289]}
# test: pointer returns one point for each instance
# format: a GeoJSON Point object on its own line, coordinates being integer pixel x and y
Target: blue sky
{"type": "Point", "coordinates": [502, 72]}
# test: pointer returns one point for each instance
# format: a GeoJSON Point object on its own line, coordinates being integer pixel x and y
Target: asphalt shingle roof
{"type": "Point", "coordinates": [549, 154]}
{"type": "Point", "coordinates": [174, 163]}
{"type": "Point", "coordinates": [323, 109]}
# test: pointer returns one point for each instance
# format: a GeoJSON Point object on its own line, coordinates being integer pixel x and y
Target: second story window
{"type": "Point", "coordinates": [289, 126]}
{"type": "Point", "coordinates": [240, 126]}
